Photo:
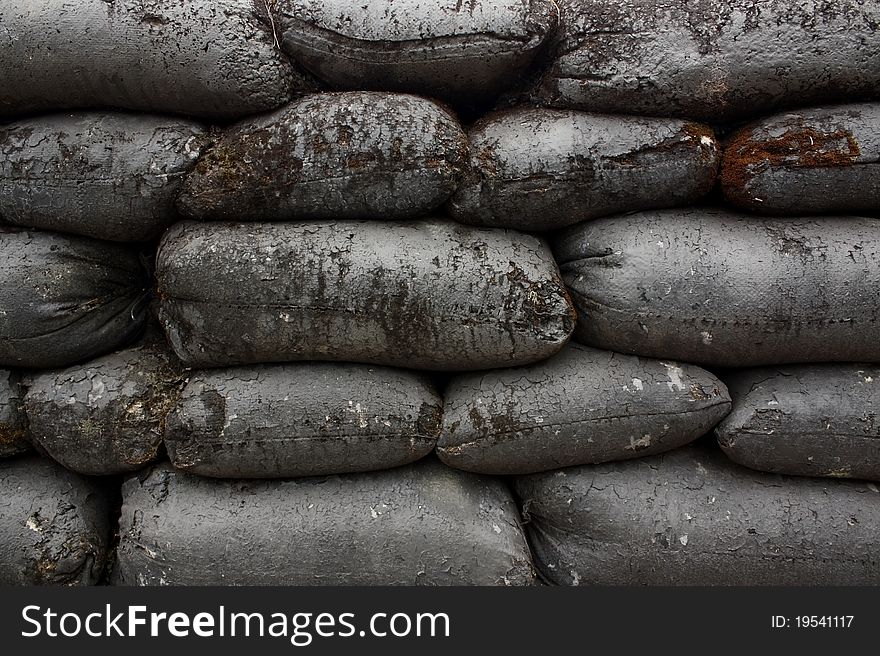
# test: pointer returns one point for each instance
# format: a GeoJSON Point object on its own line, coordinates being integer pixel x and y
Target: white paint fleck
{"type": "Point", "coordinates": [707, 141]}
{"type": "Point", "coordinates": [373, 512]}
{"type": "Point", "coordinates": [707, 337]}
{"type": "Point", "coordinates": [684, 540]}
{"type": "Point", "coordinates": [575, 577]}
{"type": "Point", "coordinates": [772, 402]}
{"type": "Point", "coordinates": [688, 516]}
{"type": "Point", "coordinates": [496, 528]}
{"type": "Point", "coordinates": [661, 244]}
{"type": "Point", "coordinates": [32, 524]}
{"type": "Point", "coordinates": [638, 384]}
{"type": "Point", "coordinates": [675, 373]}
{"type": "Point", "coordinates": [642, 443]}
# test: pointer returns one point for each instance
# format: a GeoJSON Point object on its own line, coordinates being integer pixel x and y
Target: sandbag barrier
{"type": "Point", "coordinates": [439, 292]}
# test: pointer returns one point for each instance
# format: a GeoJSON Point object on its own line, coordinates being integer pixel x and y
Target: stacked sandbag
{"type": "Point", "coordinates": [54, 525]}
{"type": "Point", "coordinates": [104, 175]}
{"type": "Point", "coordinates": [331, 156]}
{"type": "Point", "coordinates": [302, 420]}
{"type": "Point", "coordinates": [691, 517]}
{"type": "Point", "coordinates": [581, 406]}
{"type": "Point", "coordinates": [14, 438]}
{"type": "Point", "coordinates": [716, 60]}
{"type": "Point", "coordinates": [422, 524]}
{"type": "Point", "coordinates": [426, 294]}
{"type": "Point", "coordinates": [811, 161]}
{"type": "Point", "coordinates": [106, 416]}
{"type": "Point", "coordinates": [720, 288]}
{"type": "Point", "coordinates": [809, 420]}
{"type": "Point", "coordinates": [461, 52]}
{"type": "Point", "coordinates": [540, 169]}
{"type": "Point", "coordinates": [210, 58]}
{"type": "Point", "coordinates": [66, 299]}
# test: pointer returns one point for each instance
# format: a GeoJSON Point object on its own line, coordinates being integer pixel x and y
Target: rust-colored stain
{"type": "Point", "coordinates": [799, 147]}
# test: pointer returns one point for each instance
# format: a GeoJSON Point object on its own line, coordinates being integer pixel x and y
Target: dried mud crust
{"type": "Point", "coordinates": [429, 294]}
{"type": "Point", "coordinates": [691, 517]}
{"type": "Point", "coordinates": [302, 420]}
{"type": "Point", "coordinates": [14, 436]}
{"type": "Point", "coordinates": [581, 406]}
{"type": "Point", "coordinates": [421, 524]}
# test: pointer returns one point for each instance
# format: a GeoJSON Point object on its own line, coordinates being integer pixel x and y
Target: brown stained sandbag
{"type": "Point", "coordinates": [459, 51]}
{"type": "Point", "coordinates": [210, 58]}
{"type": "Point", "coordinates": [427, 294]}
{"type": "Point", "coordinates": [715, 60]}
{"type": "Point", "coordinates": [810, 161]}
{"type": "Point", "coordinates": [422, 524]}
{"type": "Point", "coordinates": [103, 175]}
{"type": "Point", "coordinates": [541, 169]}
{"type": "Point", "coordinates": [582, 406]}
{"type": "Point", "coordinates": [302, 420]}
{"type": "Point", "coordinates": [106, 416]}
{"type": "Point", "coordinates": [357, 155]}
{"type": "Point", "coordinates": [54, 525]}
{"type": "Point", "coordinates": [722, 288]}
{"type": "Point", "coordinates": [14, 437]}
{"type": "Point", "coordinates": [809, 420]}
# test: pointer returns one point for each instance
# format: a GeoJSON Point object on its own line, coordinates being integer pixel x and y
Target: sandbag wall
{"type": "Point", "coordinates": [441, 293]}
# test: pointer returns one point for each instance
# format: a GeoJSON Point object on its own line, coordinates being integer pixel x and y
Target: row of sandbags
{"type": "Point", "coordinates": [713, 60]}
{"type": "Point", "coordinates": [686, 517]}
{"type": "Point", "coordinates": [363, 155]}
{"type": "Point", "coordinates": [582, 406]}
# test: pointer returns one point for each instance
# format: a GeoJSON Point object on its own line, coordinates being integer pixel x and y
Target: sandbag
{"type": "Point", "coordinates": [302, 420]}
{"type": "Point", "coordinates": [422, 524]}
{"type": "Point", "coordinates": [108, 176]}
{"type": "Point", "coordinates": [459, 51]}
{"type": "Point", "coordinates": [811, 420]}
{"type": "Point", "coordinates": [106, 416]}
{"type": "Point", "coordinates": [14, 437]}
{"type": "Point", "coordinates": [812, 161]}
{"type": "Point", "coordinates": [216, 59]}
{"type": "Point", "coordinates": [54, 525]}
{"type": "Point", "coordinates": [713, 60]}
{"type": "Point", "coordinates": [331, 156]}
{"type": "Point", "coordinates": [541, 169]}
{"type": "Point", "coordinates": [691, 517]}
{"type": "Point", "coordinates": [721, 288]}
{"type": "Point", "coordinates": [579, 407]}
{"type": "Point", "coordinates": [66, 299]}
{"type": "Point", "coordinates": [426, 295]}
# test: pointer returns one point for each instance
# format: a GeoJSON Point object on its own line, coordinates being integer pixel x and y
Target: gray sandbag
{"type": "Point", "coordinates": [108, 176]}
{"type": "Point", "coordinates": [459, 51]}
{"type": "Point", "coordinates": [13, 421]}
{"type": "Point", "coordinates": [427, 294]}
{"type": "Point", "coordinates": [331, 156]}
{"type": "Point", "coordinates": [302, 420]}
{"type": "Point", "coordinates": [727, 289]}
{"type": "Point", "coordinates": [422, 524]}
{"type": "Point", "coordinates": [106, 416]}
{"type": "Point", "coordinates": [54, 525]}
{"type": "Point", "coordinates": [66, 299]}
{"type": "Point", "coordinates": [581, 406]}
{"type": "Point", "coordinates": [692, 517]}
{"type": "Point", "coordinates": [811, 161]}
{"type": "Point", "coordinates": [713, 60]}
{"type": "Point", "coordinates": [541, 169]}
{"type": "Point", "coordinates": [810, 420]}
{"type": "Point", "coordinates": [210, 58]}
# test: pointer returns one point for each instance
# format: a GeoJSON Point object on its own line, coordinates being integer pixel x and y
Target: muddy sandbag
{"type": "Point", "coordinates": [54, 525]}
{"type": "Point", "coordinates": [331, 156]}
{"type": "Point", "coordinates": [106, 416]}
{"type": "Point", "coordinates": [108, 176]}
{"type": "Point", "coordinates": [810, 420]}
{"type": "Point", "coordinates": [13, 421]}
{"type": "Point", "coordinates": [581, 406]}
{"type": "Point", "coordinates": [66, 299]}
{"type": "Point", "coordinates": [302, 420]}
{"type": "Point", "coordinates": [422, 524]}
{"type": "Point", "coordinates": [692, 517]}
{"type": "Point", "coordinates": [217, 59]}
{"type": "Point", "coordinates": [428, 294]}
{"type": "Point", "coordinates": [721, 288]}
{"type": "Point", "coordinates": [714, 60]}
{"type": "Point", "coordinates": [459, 51]}
{"type": "Point", "coordinates": [540, 169]}
{"type": "Point", "coordinates": [811, 161]}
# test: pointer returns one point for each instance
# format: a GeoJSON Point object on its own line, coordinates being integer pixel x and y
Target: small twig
{"type": "Point", "coordinates": [270, 6]}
